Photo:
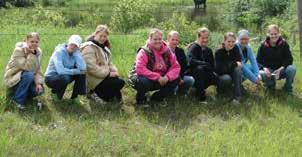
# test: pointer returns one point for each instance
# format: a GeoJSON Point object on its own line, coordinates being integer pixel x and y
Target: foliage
{"type": "Point", "coordinates": [129, 15]}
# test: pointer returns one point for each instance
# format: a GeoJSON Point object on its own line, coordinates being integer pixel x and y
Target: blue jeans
{"type": "Point", "coordinates": [26, 88]}
{"type": "Point", "coordinates": [227, 80]}
{"type": "Point", "coordinates": [188, 83]}
{"type": "Point", "coordinates": [58, 84]}
{"type": "Point", "coordinates": [143, 85]}
{"type": "Point", "coordinates": [288, 73]}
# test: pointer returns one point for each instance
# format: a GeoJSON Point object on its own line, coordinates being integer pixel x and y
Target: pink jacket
{"type": "Point", "coordinates": [159, 66]}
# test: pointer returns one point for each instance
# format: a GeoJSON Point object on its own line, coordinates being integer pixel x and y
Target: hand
{"type": "Point", "coordinates": [278, 72]}
{"type": "Point", "coordinates": [181, 82]}
{"type": "Point", "coordinates": [163, 80]}
{"type": "Point", "coordinates": [239, 64]}
{"type": "Point", "coordinates": [258, 81]}
{"type": "Point", "coordinates": [267, 72]}
{"type": "Point", "coordinates": [114, 74]}
{"type": "Point", "coordinates": [39, 88]}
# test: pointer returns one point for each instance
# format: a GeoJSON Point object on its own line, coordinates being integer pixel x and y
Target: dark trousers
{"type": "Point", "coordinates": [143, 85]}
{"type": "Point", "coordinates": [58, 84]}
{"type": "Point", "coordinates": [226, 81]}
{"type": "Point", "coordinates": [110, 88]}
{"type": "Point", "coordinates": [203, 79]}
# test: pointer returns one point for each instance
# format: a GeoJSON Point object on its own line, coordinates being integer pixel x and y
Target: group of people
{"type": "Point", "coordinates": [160, 66]}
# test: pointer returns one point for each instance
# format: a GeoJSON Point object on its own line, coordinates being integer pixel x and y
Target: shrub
{"type": "Point", "coordinates": [129, 15]}
{"type": "Point", "coordinates": [180, 23]}
{"type": "Point", "coordinates": [21, 3]}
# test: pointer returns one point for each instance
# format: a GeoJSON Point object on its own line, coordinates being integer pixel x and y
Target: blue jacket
{"type": "Point", "coordinates": [252, 73]}
{"type": "Point", "coordinates": [62, 63]}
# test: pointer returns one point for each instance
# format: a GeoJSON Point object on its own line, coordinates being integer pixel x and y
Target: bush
{"type": "Point", "coordinates": [253, 12]}
{"type": "Point", "coordinates": [129, 15]}
{"type": "Point", "coordinates": [180, 23]}
{"type": "Point", "coordinates": [21, 3]}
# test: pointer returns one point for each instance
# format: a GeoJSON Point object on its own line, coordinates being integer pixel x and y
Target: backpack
{"type": "Point", "coordinates": [133, 77]}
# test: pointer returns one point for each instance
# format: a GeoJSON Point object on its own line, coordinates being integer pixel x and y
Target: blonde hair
{"type": "Point", "coordinates": [202, 30]}
{"type": "Point", "coordinates": [273, 26]}
{"type": "Point", "coordinates": [229, 34]}
{"type": "Point", "coordinates": [100, 28]}
{"type": "Point", "coordinates": [171, 33]}
{"type": "Point", "coordinates": [154, 31]}
{"type": "Point", "coordinates": [32, 35]}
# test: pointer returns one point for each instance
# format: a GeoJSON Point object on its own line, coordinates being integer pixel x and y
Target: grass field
{"type": "Point", "coordinates": [263, 125]}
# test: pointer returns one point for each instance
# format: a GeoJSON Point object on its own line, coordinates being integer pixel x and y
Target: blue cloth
{"type": "Point", "coordinates": [249, 71]}
{"type": "Point", "coordinates": [288, 74]}
{"type": "Point", "coordinates": [26, 88]}
{"type": "Point", "coordinates": [63, 63]}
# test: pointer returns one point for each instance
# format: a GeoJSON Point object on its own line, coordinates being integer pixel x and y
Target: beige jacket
{"type": "Point", "coordinates": [98, 63]}
{"type": "Point", "coordinates": [23, 60]}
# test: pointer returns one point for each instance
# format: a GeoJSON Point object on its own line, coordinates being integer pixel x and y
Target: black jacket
{"type": "Point", "coordinates": [199, 56]}
{"type": "Point", "coordinates": [274, 57]}
{"type": "Point", "coordinates": [226, 60]}
{"type": "Point", "coordinates": [182, 60]}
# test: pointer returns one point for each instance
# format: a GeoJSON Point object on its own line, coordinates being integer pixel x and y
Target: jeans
{"type": "Point", "coordinates": [203, 79]}
{"type": "Point", "coordinates": [58, 84]}
{"type": "Point", "coordinates": [227, 80]}
{"type": "Point", "coordinates": [110, 88]}
{"type": "Point", "coordinates": [187, 84]}
{"type": "Point", "coordinates": [288, 74]}
{"type": "Point", "coordinates": [143, 85]}
{"type": "Point", "coordinates": [26, 88]}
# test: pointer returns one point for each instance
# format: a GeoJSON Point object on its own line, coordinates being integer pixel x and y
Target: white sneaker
{"type": "Point", "coordinates": [235, 102]}
{"type": "Point", "coordinates": [94, 97]}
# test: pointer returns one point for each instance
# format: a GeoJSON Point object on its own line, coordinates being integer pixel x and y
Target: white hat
{"type": "Point", "coordinates": [243, 33]}
{"type": "Point", "coordinates": [75, 39]}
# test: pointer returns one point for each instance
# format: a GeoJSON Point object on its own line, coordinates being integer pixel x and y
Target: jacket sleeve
{"type": "Point", "coordinates": [253, 61]}
{"type": "Point", "coordinates": [260, 57]}
{"type": "Point", "coordinates": [26, 62]}
{"type": "Point", "coordinates": [220, 67]}
{"type": "Point", "coordinates": [39, 79]}
{"type": "Point", "coordinates": [80, 62]}
{"type": "Point", "coordinates": [211, 58]}
{"type": "Point", "coordinates": [60, 69]}
{"type": "Point", "coordinates": [182, 60]}
{"type": "Point", "coordinates": [287, 57]}
{"type": "Point", "coordinates": [193, 60]}
{"type": "Point", "coordinates": [174, 70]}
{"type": "Point", "coordinates": [141, 66]}
{"type": "Point", "coordinates": [99, 71]}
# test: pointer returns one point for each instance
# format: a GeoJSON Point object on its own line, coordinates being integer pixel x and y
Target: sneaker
{"type": "Point", "coordinates": [164, 103]}
{"type": "Point", "coordinates": [95, 98]}
{"type": "Point", "coordinates": [19, 106]}
{"type": "Point", "coordinates": [202, 99]}
{"type": "Point", "coordinates": [235, 102]}
{"type": "Point", "coordinates": [39, 106]}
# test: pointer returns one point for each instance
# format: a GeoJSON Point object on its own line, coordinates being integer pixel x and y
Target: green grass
{"type": "Point", "coordinates": [263, 125]}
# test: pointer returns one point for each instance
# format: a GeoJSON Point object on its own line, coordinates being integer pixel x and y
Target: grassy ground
{"type": "Point", "coordinates": [263, 125]}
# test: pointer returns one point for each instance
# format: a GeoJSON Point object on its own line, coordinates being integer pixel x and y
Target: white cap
{"type": "Point", "coordinates": [75, 39]}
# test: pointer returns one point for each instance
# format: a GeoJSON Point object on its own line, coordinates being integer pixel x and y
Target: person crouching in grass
{"type": "Point", "coordinates": [23, 74]}
{"type": "Point", "coordinates": [65, 66]}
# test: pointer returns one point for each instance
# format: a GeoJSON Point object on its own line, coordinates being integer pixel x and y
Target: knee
{"type": "Point", "coordinates": [142, 84]}
{"type": "Point", "coordinates": [189, 80]}
{"type": "Point", "coordinates": [225, 79]}
{"type": "Point", "coordinates": [28, 76]}
{"type": "Point", "coordinates": [290, 70]}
